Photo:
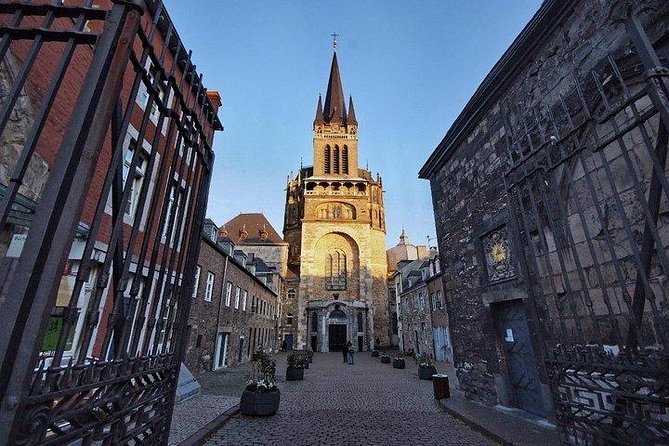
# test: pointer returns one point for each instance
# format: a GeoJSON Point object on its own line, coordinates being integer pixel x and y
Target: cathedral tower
{"type": "Point", "coordinates": [335, 225]}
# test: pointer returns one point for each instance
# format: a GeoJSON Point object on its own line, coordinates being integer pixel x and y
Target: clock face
{"type": "Point", "coordinates": [498, 252]}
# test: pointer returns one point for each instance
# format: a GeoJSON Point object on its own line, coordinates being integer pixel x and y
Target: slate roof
{"type": "Point", "coordinates": [257, 228]}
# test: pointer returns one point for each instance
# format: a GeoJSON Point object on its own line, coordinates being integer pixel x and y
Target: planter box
{"type": "Point", "coordinates": [294, 373]}
{"type": "Point", "coordinates": [385, 359]}
{"type": "Point", "coordinates": [426, 372]}
{"type": "Point", "coordinates": [375, 353]}
{"type": "Point", "coordinates": [399, 364]}
{"type": "Point", "coordinates": [259, 404]}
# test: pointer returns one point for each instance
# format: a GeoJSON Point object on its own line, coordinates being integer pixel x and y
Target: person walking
{"type": "Point", "coordinates": [349, 347]}
{"type": "Point", "coordinates": [344, 351]}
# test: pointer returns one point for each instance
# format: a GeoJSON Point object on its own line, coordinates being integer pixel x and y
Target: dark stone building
{"type": "Point", "coordinates": [549, 192]}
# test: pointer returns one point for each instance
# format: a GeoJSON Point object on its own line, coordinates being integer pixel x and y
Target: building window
{"type": "Point", "coordinates": [344, 160]}
{"type": "Point", "coordinates": [437, 301]}
{"type": "Point", "coordinates": [210, 287]}
{"type": "Point", "coordinates": [238, 295]}
{"type": "Point", "coordinates": [327, 159]}
{"type": "Point", "coordinates": [196, 285]}
{"type": "Point", "coordinates": [289, 319]}
{"type": "Point", "coordinates": [335, 156]}
{"type": "Point", "coordinates": [244, 297]}
{"type": "Point", "coordinates": [175, 200]}
{"type": "Point", "coordinates": [137, 177]}
{"type": "Point", "coordinates": [228, 294]}
{"type": "Point", "coordinates": [291, 294]}
{"type": "Point", "coordinates": [336, 271]}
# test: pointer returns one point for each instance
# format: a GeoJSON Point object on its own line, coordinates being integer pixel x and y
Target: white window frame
{"type": "Point", "coordinates": [228, 293]}
{"type": "Point", "coordinates": [210, 286]}
{"type": "Point", "coordinates": [238, 294]}
{"type": "Point", "coordinates": [196, 285]}
{"type": "Point", "coordinates": [244, 297]}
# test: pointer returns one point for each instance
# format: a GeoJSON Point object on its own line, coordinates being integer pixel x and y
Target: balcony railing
{"type": "Point", "coordinates": [335, 283]}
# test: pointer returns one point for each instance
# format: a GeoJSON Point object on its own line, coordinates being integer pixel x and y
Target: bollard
{"type": "Point", "coordinates": [440, 386]}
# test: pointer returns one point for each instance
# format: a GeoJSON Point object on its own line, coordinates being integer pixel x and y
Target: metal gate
{"type": "Point", "coordinates": [105, 132]}
{"type": "Point", "coordinates": [588, 195]}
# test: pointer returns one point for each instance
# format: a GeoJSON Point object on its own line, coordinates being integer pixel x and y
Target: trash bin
{"type": "Point", "coordinates": [440, 386]}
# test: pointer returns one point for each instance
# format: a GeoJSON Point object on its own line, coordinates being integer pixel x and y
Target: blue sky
{"type": "Point", "coordinates": [410, 65]}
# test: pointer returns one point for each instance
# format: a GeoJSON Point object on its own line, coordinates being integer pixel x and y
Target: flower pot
{"type": "Point", "coordinates": [399, 363]}
{"type": "Point", "coordinates": [385, 359]}
{"type": "Point", "coordinates": [260, 404]}
{"type": "Point", "coordinates": [426, 372]}
{"type": "Point", "coordinates": [375, 353]}
{"type": "Point", "coordinates": [294, 373]}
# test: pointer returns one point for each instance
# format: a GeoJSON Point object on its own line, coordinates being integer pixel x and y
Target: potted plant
{"type": "Point", "coordinates": [295, 370]}
{"type": "Point", "coordinates": [385, 359]}
{"type": "Point", "coordinates": [261, 396]}
{"type": "Point", "coordinates": [426, 367]}
{"type": "Point", "coordinates": [398, 363]}
{"type": "Point", "coordinates": [375, 353]}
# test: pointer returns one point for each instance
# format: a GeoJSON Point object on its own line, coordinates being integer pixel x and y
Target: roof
{"type": "Point", "coordinates": [516, 57]}
{"type": "Point", "coordinates": [334, 107]}
{"type": "Point", "coordinates": [250, 229]}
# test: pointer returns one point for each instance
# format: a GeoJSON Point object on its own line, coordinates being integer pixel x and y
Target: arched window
{"type": "Point", "coordinates": [336, 271]}
{"type": "Point", "coordinates": [327, 159]}
{"type": "Point", "coordinates": [359, 322]}
{"type": "Point", "coordinates": [344, 160]}
{"type": "Point", "coordinates": [291, 294]}
{"type": "Point", "coordinates": [335, 156]}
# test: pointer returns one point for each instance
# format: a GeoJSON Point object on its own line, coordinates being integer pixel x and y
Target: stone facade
{"type": "Point", "coordinates": [469, 174]}
{"type": "Point", "coordinates": [335, 225]}
{"type": "Point", "coordinates": [233, 314]}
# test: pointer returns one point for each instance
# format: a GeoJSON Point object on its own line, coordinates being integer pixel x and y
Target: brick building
{"type": "Point", "coordinates": [335, 225]}
{"type": "Point", "coordinates": [234, 311]}
{"type": "Point", "coordinates": [546, 192]}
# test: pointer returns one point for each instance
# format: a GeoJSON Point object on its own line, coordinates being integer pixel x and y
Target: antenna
{"type": "Point", "coordinates": [334, 40]}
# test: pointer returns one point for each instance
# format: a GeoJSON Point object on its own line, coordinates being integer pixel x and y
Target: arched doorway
{"type": "Point", "coordinates": [337, 330]}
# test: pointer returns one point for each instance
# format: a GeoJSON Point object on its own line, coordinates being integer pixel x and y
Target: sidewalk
{"type": "Point", "coordinates": [220, 393]}
{"type": "Point", "coordinates": [506, 426]}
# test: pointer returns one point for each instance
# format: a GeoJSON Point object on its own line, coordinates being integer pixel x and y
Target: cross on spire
{"type": "Point", "coordinates": [334, 40]}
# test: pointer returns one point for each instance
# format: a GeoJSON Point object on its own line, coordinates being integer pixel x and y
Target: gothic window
{"type": "Point", "coordinates": [335, 155]}
{"type": "Point", "coordinates": [327, 159]}
{"type": "Point", "coordinates": [359, 322]}
{"type": "Point", "coordinates": [291, 294]}
{"type": "Point", "coordinates": [336, 211]}
{"type": "Point", "coordinates": [344, 160]}
{"type": "Point", "coordinates": [336, 271]}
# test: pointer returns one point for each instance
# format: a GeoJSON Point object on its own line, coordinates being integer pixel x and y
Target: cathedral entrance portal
{"type": "Point", "coordinates": [337, 337]}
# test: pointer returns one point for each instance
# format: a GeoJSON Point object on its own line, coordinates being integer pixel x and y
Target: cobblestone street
{"type": "Point", "coordinates": [369, 403]}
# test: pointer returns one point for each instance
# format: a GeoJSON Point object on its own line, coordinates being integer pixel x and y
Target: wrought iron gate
{"type": "Point", "coordinates": [106, 132]}
{"type": "Point", "coordinates": [588, 192]}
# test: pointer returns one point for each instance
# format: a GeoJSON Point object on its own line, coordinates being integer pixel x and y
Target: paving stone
{"type": "Point", "coordinates": [368, 403]}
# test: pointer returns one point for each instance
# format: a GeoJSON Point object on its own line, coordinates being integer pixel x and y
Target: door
{"type": "Point", "coordinates": [520, 359]}
{"type": "Point", "coordinates": [337, 338]}
{"type": "Point", "coordinates": [221, 350]}
{"type": "Point", "coordinates": [289, 341]}
{"type": "Point", "coordinates": [439, 344]}
{"type": "Point", "coordinates": [360, 343]}
{"type": "Point", "coordinates": [240, 352]}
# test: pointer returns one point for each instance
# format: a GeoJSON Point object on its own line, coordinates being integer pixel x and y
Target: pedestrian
{"type": "Point", "coordinates": [350, 352]}
{"type": "Point", "coordinates": [344, 351]}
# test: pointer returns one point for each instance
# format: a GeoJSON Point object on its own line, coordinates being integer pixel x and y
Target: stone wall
{"type": "Point", "coordinates": [470, 202]}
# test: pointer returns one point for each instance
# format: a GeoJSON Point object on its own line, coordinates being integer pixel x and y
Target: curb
{"type": "Point", "coordinates": [474, 425]}
{"type": "Point", "coordinates": [206, 431]}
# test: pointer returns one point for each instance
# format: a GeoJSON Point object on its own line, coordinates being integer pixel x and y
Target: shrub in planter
{"type": "Point", "coordinates": [398, 363]}
{"type": "Point", "coordinates": [375, 353]}
{"type": "Point", "coordinates": [426, 367]}
{"type": "Point", "coordinates": [385, 359]}
{"type": "Point", "coordinates": [296, 364]}
{"type": "Point", "coordinates": [261, 397]}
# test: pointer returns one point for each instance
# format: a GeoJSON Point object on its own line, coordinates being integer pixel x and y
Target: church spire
{"type": "Point", "coordinates": [334, 110]}
{"type": "Point", "coordinates": [319, 112]}
{"type": "Point", "coordinates": [350, 116]}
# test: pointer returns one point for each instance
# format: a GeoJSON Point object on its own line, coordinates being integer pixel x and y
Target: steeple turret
{"type": "Point", "coordinates": [350, 116]}
{"type": "Point", "coordinates": [319, 113]}
{"type": "Point", "coordinates": [334, 110]}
